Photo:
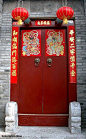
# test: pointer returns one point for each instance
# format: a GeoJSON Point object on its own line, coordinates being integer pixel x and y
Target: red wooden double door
{"type": "Point", "coordinates": [43, 93]}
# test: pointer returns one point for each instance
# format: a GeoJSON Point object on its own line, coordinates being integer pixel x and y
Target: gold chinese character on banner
{"type": "Point", "coordinates": [71, 32]}
{"type": "Point", "coordinates": [14, 46]}
{"type": "Point", "coordinates": [13, 66]}
{"type": "Point", "coordinates": [72, 51]}
{"type": "Point", "coordinates": [42, 22]}
{"type": "Point", "coordinates": [72, 39]}
{"type": "Point", "coordinates": [14, 52]}
{"type": "Point", "coordinates": [15, 33]}
{"type": "Point", "coordinates": [48, 22]}
{"type": "Point", "coordinates": [72, 58]}
{"type": "Point", "coordinates": [72, 65]}
{"type": "Point", "coordinates": [14, 60]}
{"type": "Point", "coordinates": [13, 72]}
{"type": "Point", "coordinates": [38, 22]}
{"type": "Point", "coordinates": [15, 39]}
{"type": "Point", "coordinates": [45, 22]}
{"type": "Point", "coordinates": [73, 73]}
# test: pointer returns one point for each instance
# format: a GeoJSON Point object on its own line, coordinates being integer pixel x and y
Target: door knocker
{"type": "Point", "coordinates": [37, 61]}
{"type": "Point", "coordinates": [49, 62]}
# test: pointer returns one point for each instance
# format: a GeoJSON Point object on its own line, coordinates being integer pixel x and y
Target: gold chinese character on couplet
{"type": "Point", "coordinates": [14, 52]}
{"type": "Point", "coordinates": [14, 46]}
{"type": "Point", "coordinates": [71, 32]}
{"type": "Point", "coordinates": [72, 39]}
{"type": "Point", "coordinates": [72, 46]}
{"type": "Point", "coordinates": [14, 60]}
{"type": "Point", "coordinates": [15, 39]}
{"type": "Point", "coordinates": [13, 72]}
{"type": "Point", "coordinates": [73, 73]}
{"type": "Point", "coordinates": [72, 51]}
{"type": "Point", "coordinates": [13, 66]}
{"type": "Point", "coordinates": [72, 58]}
{"type": "Point", "coordinates": [15, 33]}
{"type": "Point", "coordinates": [72, 65]}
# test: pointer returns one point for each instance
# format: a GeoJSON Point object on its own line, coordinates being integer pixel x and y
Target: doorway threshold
{"type": "Point", "coordinates": [30, 132]}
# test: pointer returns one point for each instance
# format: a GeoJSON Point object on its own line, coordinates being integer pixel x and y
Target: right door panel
{"type": "Point", "coordinates": [55, 73]}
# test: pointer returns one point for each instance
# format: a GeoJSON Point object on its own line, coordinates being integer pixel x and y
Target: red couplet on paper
{"type": "Point", "coordinates": [14, 54]}
{"type": "Point", "coordinates": [55, 42]}
{"type": "Point", "coordinates": [72, 54]}
{"type": "Point", "coordinates": [31, 43]}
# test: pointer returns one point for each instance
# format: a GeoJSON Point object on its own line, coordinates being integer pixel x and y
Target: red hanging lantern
{"type": "Point", "coordinates": [65, 13]}
{"type": "Point", "coordinates": [20, 14]}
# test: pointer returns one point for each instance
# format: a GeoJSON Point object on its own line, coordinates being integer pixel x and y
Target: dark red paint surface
{"type": "Point", "coordinates": [43, 88]}
{"type": "Point", "coordinates": [35, 120]}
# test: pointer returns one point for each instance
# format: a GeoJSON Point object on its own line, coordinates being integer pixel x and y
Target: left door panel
{"type": "Point", "coordinates": [30, 75]}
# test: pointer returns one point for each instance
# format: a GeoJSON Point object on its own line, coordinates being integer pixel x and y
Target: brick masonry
{"type": "Point", "coordinates": [42, 8]}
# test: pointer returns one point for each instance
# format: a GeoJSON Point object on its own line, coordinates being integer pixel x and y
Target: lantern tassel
{"type": "Point", "coordinates": [19, 22]}
{"type": "Point", "coordinates": [65, 21]}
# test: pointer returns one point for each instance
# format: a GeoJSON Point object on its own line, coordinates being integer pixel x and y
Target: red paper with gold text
{"type": "Point", "coordinates": [14, 54]}
{"type": "Point", "coordinates": [72, 54]}
{"type": "Point", "coordinates": [42, 22]}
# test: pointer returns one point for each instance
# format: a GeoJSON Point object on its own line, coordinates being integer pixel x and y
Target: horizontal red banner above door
{"type": "Point", "coordinates": [42, 22]}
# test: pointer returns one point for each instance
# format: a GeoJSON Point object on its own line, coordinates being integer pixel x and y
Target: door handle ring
{"type": "Point", "coordinates": [49, 62]}
{"type": "Point", "coordinates": [37, 61]}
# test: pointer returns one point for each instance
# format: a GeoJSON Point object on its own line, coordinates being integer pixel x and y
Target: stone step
{"type": "Point", "coordinates": [35, 132]}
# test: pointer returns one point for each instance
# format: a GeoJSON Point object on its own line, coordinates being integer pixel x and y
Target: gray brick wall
{"type": "Point", "coordinates": [80, 23]}
{"type": "Point", "coordinates": [1, 7]}
{"type": "Point", "coordinates": [42, 8]}
{"type": "Point", "coordinates": [5, 47]}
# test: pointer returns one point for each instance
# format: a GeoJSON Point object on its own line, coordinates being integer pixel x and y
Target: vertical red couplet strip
{"type": "Point", "coordinates": [72, 54]}
{"type": "Point", "coordinates": [14, 54]}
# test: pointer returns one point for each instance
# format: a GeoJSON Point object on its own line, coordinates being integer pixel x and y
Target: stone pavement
{"type": "Point", "coordinates": [34, 132]}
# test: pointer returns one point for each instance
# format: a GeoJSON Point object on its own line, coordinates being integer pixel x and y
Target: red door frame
{"type": "Point", "coordinates": [72, 88]}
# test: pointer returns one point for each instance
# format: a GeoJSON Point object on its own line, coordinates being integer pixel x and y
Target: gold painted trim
{"type": "Point", "coordinates": [44, 114]}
